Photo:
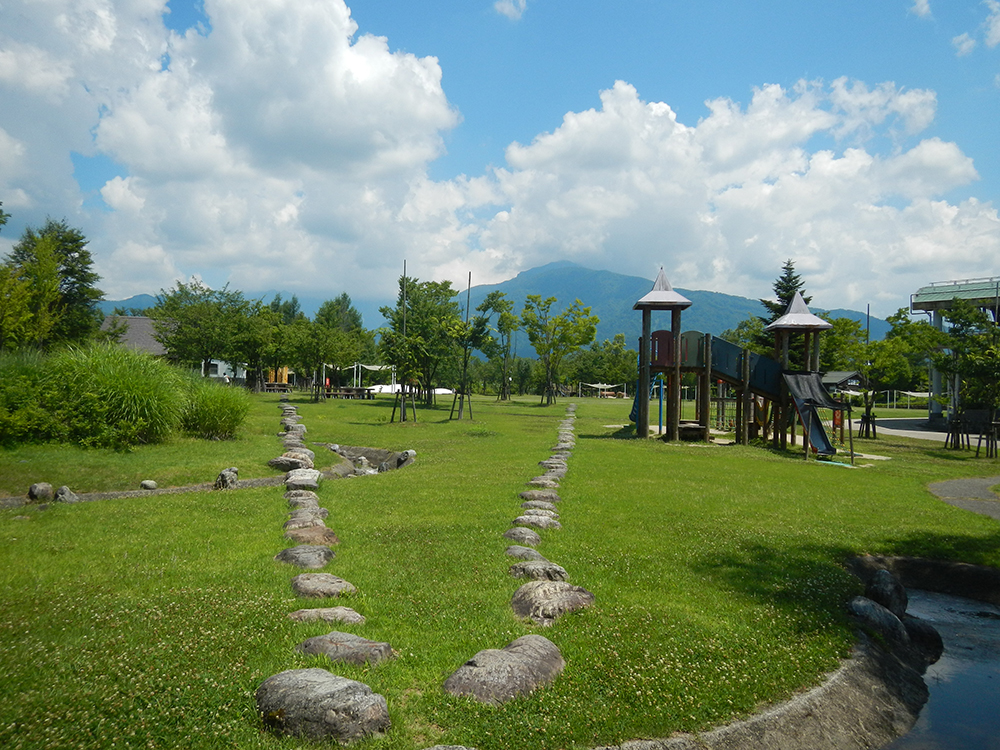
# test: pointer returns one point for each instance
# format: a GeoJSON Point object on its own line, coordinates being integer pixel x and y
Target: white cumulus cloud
{"type": "Point", "coordinates": [513, 9]}
{"type": "Point", "coordinates": [921, 8]}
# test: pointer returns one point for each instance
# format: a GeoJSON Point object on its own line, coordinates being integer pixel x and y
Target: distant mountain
{"type": "Point", "coordinates": [138, 302]}
{"type": "Point", "coordinates": [609, 295]}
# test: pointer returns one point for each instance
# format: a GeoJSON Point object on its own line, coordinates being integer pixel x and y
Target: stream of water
{"type": "Point", "coordinates": [963, 712]}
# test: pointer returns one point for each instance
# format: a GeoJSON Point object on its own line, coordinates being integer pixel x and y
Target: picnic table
{"type": "Point", "coordinates": [350, 392]}
{"type": "Point", "coordinates": [276, 388]}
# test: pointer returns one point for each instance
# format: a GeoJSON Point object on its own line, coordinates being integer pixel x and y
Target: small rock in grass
{"type": "Point", "coordinates": [347, 648]}
{"type": "Point", "coordinates": [540, 512]}
{"type": "Point", "coordinates": [538, 504]}
{"type": "Point", "coordinates": [40, 492]}
{"type": "Point", "coordinates": [321, 584]}
{"type": "Point", "coordinates": [228, 479]}
{"type": "Point", "coordinates": [65, 495]}
{"type": "Point", "coordinates": [548, 495]}
{"type": "Point", "coordinates": [147, 484]}
{"type": "Point", "coordinates": [327, 614]}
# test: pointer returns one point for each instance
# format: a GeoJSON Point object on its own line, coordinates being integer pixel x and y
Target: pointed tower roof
{"type": "Point", "coordinates": [662, 296]}
{"type": "Point", "coordinates": [798, 318]}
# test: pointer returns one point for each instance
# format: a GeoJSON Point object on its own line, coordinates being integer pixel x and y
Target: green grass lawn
{"type": "Point", "coordinates": [717, 573]}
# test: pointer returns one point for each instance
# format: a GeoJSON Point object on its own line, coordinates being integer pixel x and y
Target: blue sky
{"type": "Point", "coordinates": [312, 146]}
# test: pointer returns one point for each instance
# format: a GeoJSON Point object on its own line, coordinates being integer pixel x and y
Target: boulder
{"type": "Point", "coordinates": [548, 495]}
{"type": "Point", "coordinates": [522, 535]}
{"type": "Point", "coordinates": [309, 556]}
{"type": "Point", "coordinates": [321, 584]}
{"type": "Point", "coordinates": [497, 675]}
{"type": "Point", "coordinates": [318, 705]}
{"type": "Point", "coordinates": [539, 570]}
{"type": "Point", "coordinates": [538, 522]}
{"type": "Point", "coordinates": [302, 479]}
{"type": "Point", "coordinates": [524, 553]}
{"type": "Point", "coordinates": [924, 637]}
{"type": "Point", "coordinates": [65, 495]}
{"type": "Point", "coordinates": [147, 484]}
{"type": "Point", "coordinates": [327, 614]}
{"type": "Point", "coordinates": [347, 648]}
{"type": "Point", "coordinates": [40, 492]}
{"type": "Point", "coordinates": [312, 535]}
{"type": "Point", "coordinates": [228, 479]}
{"type": "Point", "coordinates": [875, 618]}
{"type": "Point", "coordinates": [543, 602]}
{"type": "Point", "coordinates": [883, 587]}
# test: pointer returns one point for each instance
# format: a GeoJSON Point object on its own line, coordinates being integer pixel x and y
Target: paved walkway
{"type": "Point", "coordinates": [970, 494]}
{"type": "Point", "coordinates": [912, 428]}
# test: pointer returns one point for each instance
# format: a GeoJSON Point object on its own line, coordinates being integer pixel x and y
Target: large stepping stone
{"type": "Point", "coordinates": [543, 602]}
{"type": "Point", "coordinates": [302, 479]}
{"type": "Point", "coordinates": [317, 512]}
{"type": "Point", "coordinates": [302, 499]}
{"type": "Point", "coordinates": [538, 522]}
{"type": "Point", "coordinates": [544, 512]}
{"type": "Point", "coordinates": [303, 522]}
{"type": "Point", "coordinates": [318, 705]}
{"type": "Point", "coordinates": [522, 535]}
{"type": "Point", "coordinates": [552, 463]}
{"type": "Point", "coordinates": [556, 473]}
{"type": "Point", "coordinates": [308, 556]}
{"type": "Point", "coordinates": [544, 481]}
{"type": "Point", "coordinates": [538, 505]}
{"type": "Point", "coordinates": [524, 553]}
{"type": "Point", "coordinates": [327, 614]}
{"type": "Point", "coordinates": [347, 648]}
{"type": "Point", "coordinates": [321, 585]}
{"type": "Point", "coordinates": [548, 495]}
{"type": "Point", "coordinates": [291, 460]}
{"type": "Point", "coordinates": [313, 535]}
{"type": "Point", "coordinates": [497, 675]}
{"type": "Point", "coordinates": [539, 570]}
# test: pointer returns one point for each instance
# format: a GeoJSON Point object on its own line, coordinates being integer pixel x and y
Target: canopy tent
{"type": "Point", "coordinates": [602, 388]}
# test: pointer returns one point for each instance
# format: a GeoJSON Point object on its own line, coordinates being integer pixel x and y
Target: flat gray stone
{"type": "Point", "coordinates": [321, 585]}
{"type": "Point", "coordinates": [522, 535]}
{"type": "Point", "coordinates": [548, 495]}
{"type": "Point", "coordinates": [318, 705]}
{"type": "Point", "coordinates": [538, 522]}
{"type": "Point", "coordinates": [543, 602]}
{"type": "Point", "coordinates": [302, 479]}
{"type": "Point", "coordinates": [347, 648]}
{"type": "Point", "coordinates": [524, 553]}
{"type": "Point", "coordinates": [291, 460]}
{"type": "Point", "coordinates": [309, 512]}
{"type": "Point", "coordinates": [303, 522]}
{"type": "Point", "coordinates": [495, 676]}
{"type": "Point", "coordinates": [308, 556]}
{"type": "Point", "coordinates": [313, 535]}
{"type": "Point", "coordinates": [544, 482]}
{"type": "Point", "coordinates": [327, 614]}
{"type": "Point", "coordinates": [544, 512]}
{"type": "Point", "coordinates": [539, 570]}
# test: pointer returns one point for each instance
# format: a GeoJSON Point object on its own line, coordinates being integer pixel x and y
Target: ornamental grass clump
{"type": "Point", "coordinates": [214, 411]}
{"type": "Point", "coordinates": [22, 418]}
{"type": "Point", "coordinates": [105, 395]}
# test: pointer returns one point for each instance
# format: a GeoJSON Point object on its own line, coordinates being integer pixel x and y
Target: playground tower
{"type": "Point", "coordinates": [797, 319]}
{"type": "Point", "coordinates": [661, 297]}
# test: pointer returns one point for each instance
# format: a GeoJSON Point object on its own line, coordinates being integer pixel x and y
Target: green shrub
{"type": "Point", "coordinates": [214, 410]}
{"type": "Point", "coordinates": [22, 418]}
{"type": "Point", "coordinates": [109, 396]}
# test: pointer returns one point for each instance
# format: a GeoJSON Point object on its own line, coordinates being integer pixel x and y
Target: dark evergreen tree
{"type": "Point", "coordinates": [785, 287]}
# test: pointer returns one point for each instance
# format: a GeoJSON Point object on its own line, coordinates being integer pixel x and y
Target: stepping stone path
{"type": "Point", "coordinates": [495, 676]}
{"type": "Point", "coordinates": [314, 703]}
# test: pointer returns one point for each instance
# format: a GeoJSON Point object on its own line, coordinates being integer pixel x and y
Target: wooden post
{"type": "Point", "coordinates": [674, 407]}
{"type": "Point", "coordinates": [706, 399]}
{"type": "Point", "coordinates": [642, 397]}
{"type": "Point", "coordinates": [746, 398]}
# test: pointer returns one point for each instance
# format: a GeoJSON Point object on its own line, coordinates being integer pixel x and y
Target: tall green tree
{"type": "Point", "coordinates": [15, 314]}
{"type": "Point", "coordinates": [40, 271]}
{"type": "Point", "coordinates": [496, 303]}
{"type": "Point", "coordinates": [427, 342]}
{"type": "Point", "coordinates": [339, 313]}
{"type": "Point", "coordinates": [973, 353]}
{"type": "Point", "coordinates": [289, 310]}
{"type": "Point", "coordinates": [197, 324]}
{"type": "Point", "coordinates": [79, 319]}
{"type": "Point", "coordinates": [554, 336]}
{"type": "Point", "coordinates": [785, 287]}
{"type": "Point", "coordinates": [609, 361]}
